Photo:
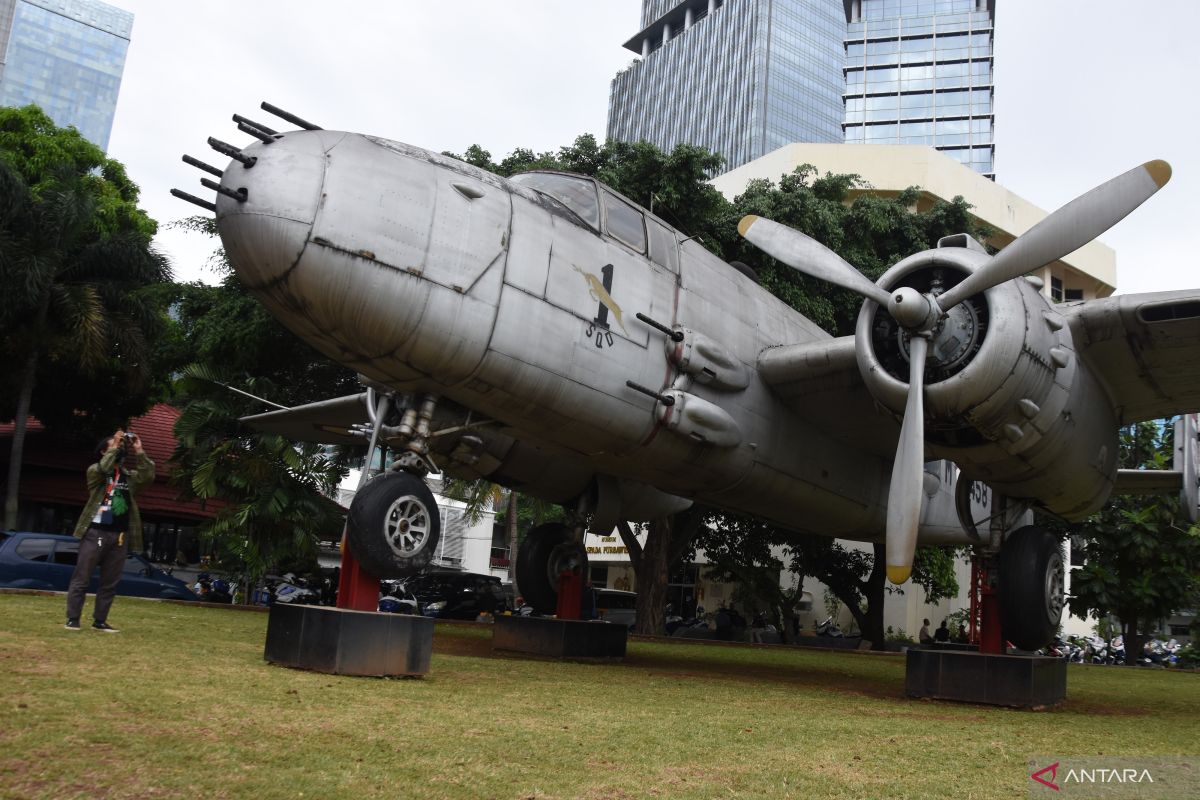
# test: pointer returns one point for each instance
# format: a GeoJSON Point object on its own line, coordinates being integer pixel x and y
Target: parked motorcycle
{"type": "Point", "coordinates": [829, 628]}
{"type": "Point", "coordinates": [1116, 650]}
{"type": "Point", "coordinates": [295, 591]}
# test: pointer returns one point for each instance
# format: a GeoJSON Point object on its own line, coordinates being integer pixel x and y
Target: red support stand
{"type": "Point", "coordinates": [356, 589]}
{"type": "Point", "coordinates": [985, 627]}
{"type": "Point", "coordinates": [570, 594]}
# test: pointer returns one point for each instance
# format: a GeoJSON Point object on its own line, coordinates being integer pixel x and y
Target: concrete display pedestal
{"type": "Point", "coordinates": [1001, 680]}
{"type": "Point", "coordinates": [559, 638]}
{"type": "Point", "coordinates": [345, 642]}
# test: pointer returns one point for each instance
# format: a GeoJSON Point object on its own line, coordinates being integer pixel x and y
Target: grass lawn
{"type": "Point", "coordinates": [181, 704]}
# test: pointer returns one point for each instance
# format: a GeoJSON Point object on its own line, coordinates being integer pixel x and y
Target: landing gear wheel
{"type": "Point", "coordinates": [1031, 587]}
{"type": "Point", "coordinates": [393, 526]}
{"type": "Point", "coordinates": [547, 551]}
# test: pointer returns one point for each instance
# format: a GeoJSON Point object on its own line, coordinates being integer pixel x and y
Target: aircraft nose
{"type": "Point", "coordinates": [266, 225]}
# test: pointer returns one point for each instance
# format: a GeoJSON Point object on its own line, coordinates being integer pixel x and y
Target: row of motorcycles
{"type": "Point", "coordinates": [286, 589]}
{"type": "Point", "coordinates": [1095, 649]}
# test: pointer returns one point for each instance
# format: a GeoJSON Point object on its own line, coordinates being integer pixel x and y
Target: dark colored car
{"type": "Point", "coordinates": [456, 595]}
{"type": "Point", "coordinates": [620, 608]}
{"type": "Point", "coordinates": [46, 561]}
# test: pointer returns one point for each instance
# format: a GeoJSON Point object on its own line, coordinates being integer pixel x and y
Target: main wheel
{"type": "Point", "coordinates": [1031, 587]}
{"type": "Point", "coordinates": [547, 551]}
{"type": "Point", "coordinates": [393, 526]}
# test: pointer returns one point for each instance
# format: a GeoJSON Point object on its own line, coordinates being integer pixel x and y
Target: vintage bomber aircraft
{"type": "Point", "coordinates": [551, 336]}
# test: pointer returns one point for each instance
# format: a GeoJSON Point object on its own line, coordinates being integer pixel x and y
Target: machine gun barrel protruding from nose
{"type": "Point", "coordinates": [226, 149]}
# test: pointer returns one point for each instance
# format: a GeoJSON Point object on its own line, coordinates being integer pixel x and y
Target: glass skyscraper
{"type": "Point", "coordinates": [740, 77]}
{"type": "Point", "coordinates": [745, 77]}
{"type": "Point", "coordinates": [920, 72]}
{"type": "Point", "coordinates": [67, 56]}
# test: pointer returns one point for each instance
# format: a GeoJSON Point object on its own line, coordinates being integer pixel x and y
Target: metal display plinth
{"type": "Point", "coordinates": [559, 638]}
{"type": "Point", "coordinates": [1000, 680]}
{"type": "Point", "coordinates": [342, 641]}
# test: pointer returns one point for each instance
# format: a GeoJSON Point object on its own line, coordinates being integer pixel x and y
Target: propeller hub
{"type": "Point", "coordinates": [911, 309]}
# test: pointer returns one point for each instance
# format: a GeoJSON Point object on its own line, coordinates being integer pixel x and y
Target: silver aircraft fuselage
{"type": "Point", "coordinates": [428, 275]}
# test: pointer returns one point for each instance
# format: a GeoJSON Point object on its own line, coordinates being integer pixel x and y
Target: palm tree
{"type": "Point", "coordinates": [273, 495]}
{"type": "Point", "coordinates": [71, 274]}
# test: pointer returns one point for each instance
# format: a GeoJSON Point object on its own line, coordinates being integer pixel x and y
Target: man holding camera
{"type": "Point", "coordinates": [108, 525]}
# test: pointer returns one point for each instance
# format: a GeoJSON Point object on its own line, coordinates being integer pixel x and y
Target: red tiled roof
{"type": "Point", "coordinates": [52, 472]}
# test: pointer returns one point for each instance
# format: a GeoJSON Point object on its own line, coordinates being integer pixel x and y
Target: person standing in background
{"type": "Point", "coordinates": [108, 525]}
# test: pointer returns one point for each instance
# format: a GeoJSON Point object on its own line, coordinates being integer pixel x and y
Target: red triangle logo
{"type": "Point", "coordinates": [1053, 770]}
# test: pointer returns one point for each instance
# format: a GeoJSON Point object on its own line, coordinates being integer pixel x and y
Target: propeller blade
{"type": "Point", "coordinates": [908, 472]}
{"type": "Point", "coordinates": [1066, 230]}
{"type": "Point", "coordinates": [808, 256]}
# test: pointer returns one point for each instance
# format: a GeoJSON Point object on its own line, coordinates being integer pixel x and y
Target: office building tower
{"type": "Point", "coordinates": [66, 56]}
{"type": "Point", "coordinates": [920, 72]}
{"type": "Point", "coordinates": [745, 77]}
{"type": "Point", "coordinates": [739, 77]}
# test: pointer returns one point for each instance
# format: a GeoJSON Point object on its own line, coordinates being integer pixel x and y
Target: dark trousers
{"type": "Point", "coordinates": [97, 548]}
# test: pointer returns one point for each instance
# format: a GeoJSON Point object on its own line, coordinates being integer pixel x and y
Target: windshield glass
{"type": "Point", "coordinates": [577, 194]}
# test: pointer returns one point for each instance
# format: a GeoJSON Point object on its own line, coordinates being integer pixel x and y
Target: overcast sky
{"type": "Point", "coordinates": [1085, 89]}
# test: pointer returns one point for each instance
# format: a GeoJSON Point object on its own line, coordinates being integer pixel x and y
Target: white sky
{"type": "Point", "coordinates": [1086, 89]}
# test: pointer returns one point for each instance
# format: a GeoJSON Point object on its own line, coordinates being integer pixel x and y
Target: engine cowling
{"type": "Point", "coordinates": [1006, 397]}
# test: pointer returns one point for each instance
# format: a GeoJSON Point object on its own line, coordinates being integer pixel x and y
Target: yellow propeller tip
{"type": "Point", "coordinates": [1160, 172]}
{"type": "Point", "coordinates": [898, 575]}
{"type": "Point", "coordinates": [746, 222]}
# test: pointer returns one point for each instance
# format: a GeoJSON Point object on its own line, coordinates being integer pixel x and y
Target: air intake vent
{"type": "Point", "coordinates": [1169, 311]}
{"type": "Point", "coordinates": [961, 240]}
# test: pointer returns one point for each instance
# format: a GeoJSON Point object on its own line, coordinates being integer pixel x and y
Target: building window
{"type": "Point", "coordinates": [1056, 290]}
{"type": "Point", "coordinates": [1072, 295]}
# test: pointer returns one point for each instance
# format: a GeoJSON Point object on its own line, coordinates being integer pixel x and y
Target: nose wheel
{"type": "Point", "coordinates": [394, 526]}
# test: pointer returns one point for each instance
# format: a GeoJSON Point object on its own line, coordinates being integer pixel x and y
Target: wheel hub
{"type": "Point", "coordinates": [407, 525]}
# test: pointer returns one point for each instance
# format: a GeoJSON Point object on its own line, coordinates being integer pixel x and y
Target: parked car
{"type": "Point", "coordinates": [46, 561]}
{"type": "Point", "coordinates": [617, 607]}
{"type": "Point", "coordinates": [456, 595]}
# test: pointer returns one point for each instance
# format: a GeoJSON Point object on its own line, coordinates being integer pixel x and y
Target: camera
{"type": "Point", "coordinates": [127, 439]}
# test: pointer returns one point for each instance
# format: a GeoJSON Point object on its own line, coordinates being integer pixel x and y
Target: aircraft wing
{"type": "Point", "coordinates": [1145, 348]}
{"type": "Point", "coordinates": [821, 382]}
{"type": "Point", "coordinates": [324, 422]}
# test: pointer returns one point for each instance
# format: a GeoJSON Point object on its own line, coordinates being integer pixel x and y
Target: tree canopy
{"type": "Point", "coordinates": [1141, 558]}
{"type": "Point", "coordinates": [76, 262]}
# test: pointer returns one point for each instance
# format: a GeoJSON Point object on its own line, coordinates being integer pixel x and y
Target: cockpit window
{"type": "Point", "coordinates": [625, 222]}
{"type": "Point", "coordinates": [577, 194]}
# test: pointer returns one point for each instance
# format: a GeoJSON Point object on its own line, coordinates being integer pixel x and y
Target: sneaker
{"type": "Point", "coordinates": [103, 626]}
{"type": "Point", "coordinates": [72, 625]}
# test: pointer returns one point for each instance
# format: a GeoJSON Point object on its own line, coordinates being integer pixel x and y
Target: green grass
{"type": "Point", "coordinates": [181, 704]}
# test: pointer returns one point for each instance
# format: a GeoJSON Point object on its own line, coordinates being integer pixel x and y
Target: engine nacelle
{"type": "Point", "coordinates": [1006, 396]}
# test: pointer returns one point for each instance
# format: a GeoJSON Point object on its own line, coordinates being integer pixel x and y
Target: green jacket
{"type": "Point", "coordinates": [97, 474]}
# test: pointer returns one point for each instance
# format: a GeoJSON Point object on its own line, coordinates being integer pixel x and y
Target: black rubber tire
{"type": "Point", "coordinates": [536, 577]}
{"type": "Point", "coordinates": [1031, 587]}
{"type": "Point", "coordinates": [393, 526]}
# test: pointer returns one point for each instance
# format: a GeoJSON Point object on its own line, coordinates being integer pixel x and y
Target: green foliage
{"type": "Point", "coordinates": [748, 550]}
{"type": "Point", "coordinates": [897, 636]}
{"type": "Point", "coordinates": [1141, 558]}
{"type": "Point", "coordinates": [869, 231]}
{"type": "Point", "coordinates": [270, 494]}
{"type": "Point", "coordinates": [75, 261]}
{"type": "Point", "coordinates": [227, 329]}
{"type": "Point", "coordinates": [41, 153]}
